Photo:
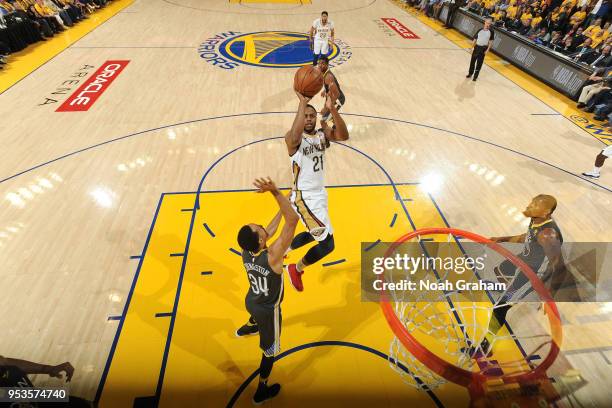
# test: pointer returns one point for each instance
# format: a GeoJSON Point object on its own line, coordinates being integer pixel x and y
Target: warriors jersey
{"type": "Point", "coordinates": [322, 32]}
{"type": "Point", "coordinates": [333, 77]}
{"type": "Point", "coordinates": [534, 256]}
{"type": "Point", "coordinates": [307, 162]}
{"type": "Point", "coordinates": [266, 286]}
{"type": "Point", "coordinates": [533, 253]}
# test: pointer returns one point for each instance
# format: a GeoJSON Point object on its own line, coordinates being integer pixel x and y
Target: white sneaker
{"type": "Point", "coordinates": [590, 174]}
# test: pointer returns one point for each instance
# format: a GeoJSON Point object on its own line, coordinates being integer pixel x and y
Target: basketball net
{"type": "Point", "coordinates": [439, 334]}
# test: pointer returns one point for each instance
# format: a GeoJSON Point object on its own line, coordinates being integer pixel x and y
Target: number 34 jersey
{"type": "Point", "coordinates": [265, 286]}
{"type": "Point", "coordinates": [307, 163]}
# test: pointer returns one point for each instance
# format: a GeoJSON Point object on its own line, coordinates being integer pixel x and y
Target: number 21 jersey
{"type": "Point", "coordinates": [307, 163]}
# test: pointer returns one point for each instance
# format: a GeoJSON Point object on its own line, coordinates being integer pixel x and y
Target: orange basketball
{"type": "Point", "coordinates": [308, 81]}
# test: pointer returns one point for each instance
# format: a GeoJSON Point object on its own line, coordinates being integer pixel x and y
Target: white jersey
{"type": "Point", "coordinates": [322, 32]}
{"type": "Point", "coordinates": [307, 163]}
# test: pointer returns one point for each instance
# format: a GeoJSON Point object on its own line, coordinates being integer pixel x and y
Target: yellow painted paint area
{"type": "Point", "coordinates": [22, 63]}
{"type": "Point", "coordinates": [554, 99]}
{"type": "Point", "coordinates": [273, 1]}
{"type": "Point", "coordinates": [207, 362]}
{"type": "Point", "coordinates": [136, 363]}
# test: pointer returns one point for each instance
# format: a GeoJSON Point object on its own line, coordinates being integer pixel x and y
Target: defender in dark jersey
{"type": "Point", "coordinates": [541, 251]}
{"type": "Point", "coordinates": [264, 269]}
{"type": "Point", "coordinates": [331, 88]}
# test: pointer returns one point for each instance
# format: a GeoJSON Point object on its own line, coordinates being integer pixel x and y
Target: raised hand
{"type": "Point", "coordinates": [303, 99]}
{"type": "Point", "coordinates": [265, 184]}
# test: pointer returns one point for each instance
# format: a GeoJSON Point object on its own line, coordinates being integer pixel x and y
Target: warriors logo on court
{"type": "Point", "coordinates": [267, 49]}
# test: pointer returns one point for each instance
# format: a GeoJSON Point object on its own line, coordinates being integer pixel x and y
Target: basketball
{"type": "Point", "coordinates": [308, 81]}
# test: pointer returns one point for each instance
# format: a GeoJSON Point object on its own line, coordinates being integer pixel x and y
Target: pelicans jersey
{"type": "Point", "coordinates": [308, 164]}
{"type": "Point", "coordinates": [322, 32]}
{"type": "Point", "coordinates": [309, 198]}
{"type": "Point", "coordinates": [322, 36]}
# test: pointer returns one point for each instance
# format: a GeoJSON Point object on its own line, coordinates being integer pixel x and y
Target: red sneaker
{"type": "Point", "coordinates": [295, 277]}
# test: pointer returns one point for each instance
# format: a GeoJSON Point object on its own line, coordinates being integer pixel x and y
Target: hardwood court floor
{"type": "Point", "coordinates": [80, 189]}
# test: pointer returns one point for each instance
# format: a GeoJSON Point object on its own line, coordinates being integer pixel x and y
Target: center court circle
{"type": "Point", "coordinates": [274, 49]}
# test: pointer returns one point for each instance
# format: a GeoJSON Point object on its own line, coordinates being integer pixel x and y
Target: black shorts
{"type": "Point", "coordinates": [269, 320]}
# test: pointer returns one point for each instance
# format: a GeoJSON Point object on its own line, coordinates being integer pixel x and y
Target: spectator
{"type": "Point", "coordinates": [536, 20]}
{"type": "Point", "coordinates": [542, 38]}
{"type": "Point", "coordinates": [25, 22]}
{"type": "Point", "coordinates": [548, 22]}
{"type": "Point", "coordinates": [437, 8]}
{"type": "Point", "coordinates": [429, 9]}
{"type": "Point", "coordinates": [45, 11]}
{"type": "Point", "coordinates": [73, 13]}
{"type": "Point", "coordinates": [601, 9]}
{"type": "Point", "coordinates": [593, 29]}
{"type": "Point", "coordinates": [49, 25]}
{"type": "Point", "coordinates": [453, 5]}
{"type": "Point", "coordinates": [604, 59]}
{"type": "Point", "coordinates": [423, 5]}
{"type": "Point", "coordinates": [576, 36]}
{"type": "Point", "coordinates": [569, 4]}
{"type": "Point", "coordinates": [500, 19]}
{"type": "Point", "coordinates": [62, 13]}
{"type": "Point", "coordinates": [607, 42]}
{"type": "Point", "coordinates": [38, 31]}
{"type": "Point", "coordinates": [597, 85]}
{"type": "Point", "coordinates": [602, 105]}
{"type": "Point", "coordinates": [599, 38]}
{"type": "Point", "coordinates": [583, 50]}
{"type": "Point", "coordinates": [555, 40]}
{"type": "Point", "coordinates": [578, 17]}
{"type": "Point", "coordinates": [525, 29]}
{"type": "Point", "coordinates": [4, 51]}
{"type": "Point", "coordinates": [562, 19]}
{"type": "Point", "coordinates": [511, 12]}
{"type": "Point", "coordinates": [567, 48]}
{"type": "Point", "coordinates": [526, 16]}
{"type": "Point", "coordinates": [10, 31]}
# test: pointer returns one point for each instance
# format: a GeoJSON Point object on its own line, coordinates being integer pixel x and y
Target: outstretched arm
{"type": "Point", "coordinates": [339, 132]}
{"type": "Point", "coordinates": [512, 238]}
{"type": "Point", "coordinates": [277, 249]}
{"type": "Point", "coordinates": [293, 138]}
{"type": "Point", "coordinates": [311, 35]}
{"type": "Point", "coordinates": [29, 367]}
{"type": "Point", "coordinates": [273, 225]}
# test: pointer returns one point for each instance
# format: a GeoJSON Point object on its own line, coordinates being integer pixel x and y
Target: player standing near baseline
{"type": "Point", "coordinates": [541, 252]}
{"type": "Point", "coordinates": [321, 37]}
